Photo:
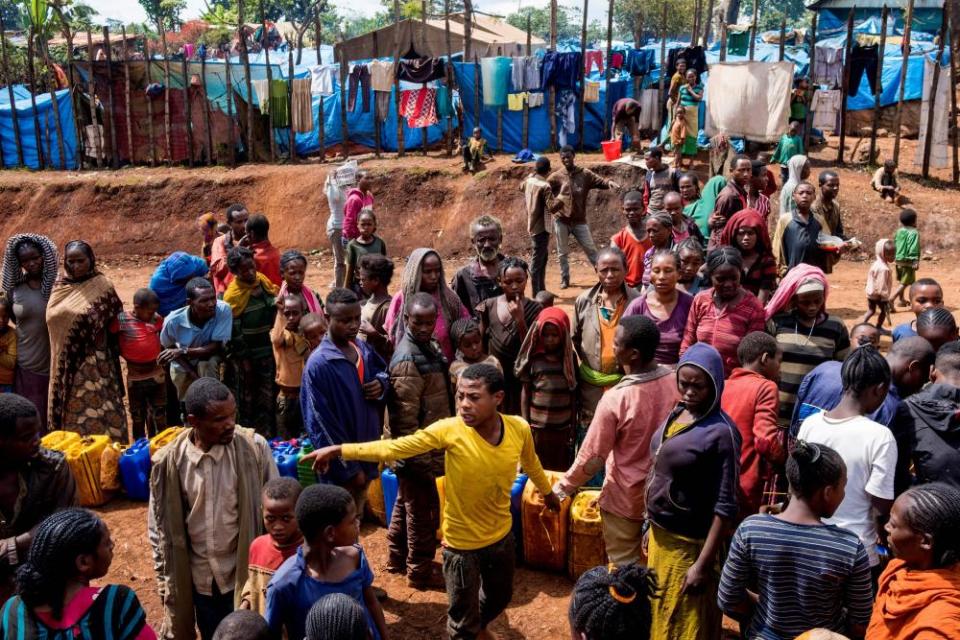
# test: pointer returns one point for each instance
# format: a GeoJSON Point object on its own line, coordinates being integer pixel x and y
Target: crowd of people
{"type": "Point", "coordinates": [754, 457]}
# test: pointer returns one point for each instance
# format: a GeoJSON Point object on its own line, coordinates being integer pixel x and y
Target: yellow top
{"type": "Point", "coordinates": [479, 475]}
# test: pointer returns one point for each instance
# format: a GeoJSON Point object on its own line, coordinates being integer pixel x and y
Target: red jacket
{"type": "Point", "coordinates": [752, 401]}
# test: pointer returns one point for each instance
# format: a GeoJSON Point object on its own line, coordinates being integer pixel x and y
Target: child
{"type": "Point", "coordinates": [293, 269]}
{"type": "Point", "coordinates": [864, 333]}
{"type": "Point", "coordinates": [374, 275]}
{"type": "Point", "coordinates": [207, 223]}
{"type": "Point", "coordinates": [683, 227]}
{"type": "Point", "coordinates": [937, 326]}
{"type": "Point", "coordinates": [357, 199]}
{"type": "Point", "coordinates": [923, 532]}
{"type": "Point", "coordinates": [880, 283]}
{"type": "Point", "coordinates": [868, 448]}
{"type": "Point", "coordinates": [367, 242]}
{"type": "Point", "coordinates": [791, 144]}
{"type": "Point", "coordinates": [691, 257]}
{"type": "Point", "coordinates": [420, 394]}
{"type": "Point", "coordinates": [328, 561]}
{"type": "Point", "coordinates": [474, 152]}
{"type": "Point", "coordinates": [504, 322]}
{"type": "Point", "coordinates": [750, 399]}
{"type": "Point", "coordinates": [747, 232]}
{"type": "Point", "coordinates": [886, 182]}
{"type": "Point", "coordinates": [265, 255]}
{"type": "Point", "coordinates": [545, 298]}
{"type": "Point", "coordinates": [243, 625]}
{"type": "Point", "coordinates": [336, 616]}
{"type": "Point", "coordinates": [291, 348]}
{"type": "Point", "coordinates": [547, 369]}
{"type": "Point", "coordinates": [632, 240]}
{"type": "Point", "coordinates": [269, 551]}
{"type": "Point", "coordinates": [795, 238]}
{"type": "Point", "coordinates": [612, 603]}
{"type": "Point", "coordinates": [658, 181]}
{"type": "Point", "coordinates": [798, 102]}
{"type": "Point", "coordinates": [619, 435]}
{"type": "Point", "coordinates": [139, 337]}
{"type": "Point", "coordinates": [314, 328]}
{"type": "Point", "coordinates": [71, 549]}
{"type": "Point", "coordinates": [805, 332]}
{"type": "Point", "coordinates": [659, 227]}
{"type": "Point", "coordinates": [907, 242]}
{"type": "Point", "coordinates": [804, 573]}
{"type": "Point", "coordinates": [8, 346]}
{"type": "Point", "coordinates": [678, 133]}
{"type": "Point", "coordinates": [468, 342]}
{"type": "Point", "coordinates": [924, 294]}
{"type": "Point", "coordinates": [252, 297]}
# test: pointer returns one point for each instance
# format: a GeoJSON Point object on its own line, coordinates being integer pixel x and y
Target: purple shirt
{"type": "Point", "coordinates": [671, 329]}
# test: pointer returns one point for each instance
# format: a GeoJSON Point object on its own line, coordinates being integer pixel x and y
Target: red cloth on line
{"type": "Point", "coordinates": [419, 107]}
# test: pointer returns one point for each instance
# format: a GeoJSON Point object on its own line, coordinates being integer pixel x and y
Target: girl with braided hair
{"type": "Point", "coordinates": [612, 603]}
{"type": "Point", "coordinates": [54, 598]}
{"type": "Point", "coordinates": [919, 591]}
{"type": "Point", "coordinates": [336, 616]}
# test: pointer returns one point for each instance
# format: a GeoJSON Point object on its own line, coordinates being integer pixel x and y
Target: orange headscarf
{"type": "Point", "coordinates": [747, 218]}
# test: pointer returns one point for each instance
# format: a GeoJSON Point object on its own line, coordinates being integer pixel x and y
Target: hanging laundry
{"type": "Point", "coordinates": [591, 91]}
{"type": "Point", "coordinates": [534, 100]}
{"type": "Point", "coordinates": [828, 66]}
{"type": "Point", "coordinates": [419, 107]}
{"type": "Point", "coordinates": [495, 73]}
{"type": "Point", "coordinates": [561, 70]}
{"type": "Point", "coordinates": [525, 73]}
{"type": "Point", "coordinates": [593, 57]}
{"type": "Point", "coordinates": [359, 76]}
{"type": "Point", "coordinates": [566, 115]}
{"type": "Point", "coordinates": [381, 75]}
{"type": "Point", "coordinates": [825, 106]}
{"type": "Point", "coordinates": [279, 103]}
{"type": "Point", "coordinates": [748, 99]}
{"type": "Point", "coordinates": [421, 70]}
{"type": "Point", "coordinates": [322, 79]}
{"type": "Point", "coordinates": [649, 109]}
{"type": "Point", "coordinates": [515, 101]}
{"type": "Point", "coordinates": [302, 105]}
{"type": "Point", "coordinates": [738, 39]}
{"type": "Point", "coordinates": [444, 105]}
{"type": "Point", "coordinates": [863, 60]}
{"type": "Point", "coordinates": [640, 62]}
{"type": "Point", "coordinates": [940, 140]}
{"type": "Point", "coordinates": [616, 60]}
{"type": "Point", "coordinates": [382, 104]}
{"type": "Point", "coordinates": [694, 56]}
{"type": "Point", "coordinates": [262, 89]}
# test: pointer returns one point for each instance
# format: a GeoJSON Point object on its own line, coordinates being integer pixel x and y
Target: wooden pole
{"type": "Point", "coordinates": [13, 103]}
{"type": "Point", "coordinates": [92, 89]}
{"type": "Point", "coordinates": [662, 108]}
{"type": "Point", "coordinates": [208, 131]}
{"type": "Point", "coordinates": [526, 107]}
{"type": "Point", "coordinates": [449, 74]}
{"type": "Point", "coordinates": [61, 147]}
{"type": "Point", "coordinates": [111, 123]}
{"type": "Point", "coordinates": [31, 75]}
{"type": "Point", "coordinates": [234, 126]}
{"type": "Point", "coordinates": [695, 33]}
{"type": "Point", "coordinates": [753, 29]}
{"type": "Point", "coordinates": [552, 96]}
{"type": "Point", "coordinates": [245, 58]}
{"type": "Point", "coordinates": [376, 120]}
{"type": "Point", "coordinates": [723, 41]}
{"type": "Point", "coordinates": [396, 72]}
{"type": "Point", "coordinates": [783, 36]}
{"type": "Point", "coordinates": [128, 109]}
{"type": "Point", "coordinates": [583, 76]}
{"type": "Point", "coordinates": [167, 124]}
{"type": "Point", "coordinates": [813, 62]}
{"type": "Point", "coordinates": [344, 131]}
{"type": "Point", "coordinates": [846, 84]}
{"type": "Point", "coordinates": [150, 132]}
{"type": "Point", "coordinates": [293, 135]}
{"type": "Point", "coordinates": [905, 52]}
{"type": "Point", "coordinates": [264, 46]}
{"type": "Point", "coordinates": [188, 110]}
{"type": "Point", "coordinates": [884, 16]}
{"type": "Point", "coordinates": [608, 106]}
{"type": "Point", "coordinates": [707, 24]}
{"type": "Point", "coordinates": [320, 116]}
{"type": "Point", "coordinates": [423, 42]}
{"type": "Point", "coordinates": [934, 82]}
{"type": "Point", "coordinates": [476, 92]}
{"type": "Point", "coordinates": [637, 43]}
{"type": "Point", "coordinates": [953, 99]}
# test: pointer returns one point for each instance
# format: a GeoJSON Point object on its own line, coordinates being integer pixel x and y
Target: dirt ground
{"type": "Point", "coordinates": [135, 216]}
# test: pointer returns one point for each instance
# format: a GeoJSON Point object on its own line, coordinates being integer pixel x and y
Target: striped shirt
{"type": "Point", "coordinates": [722, 328]}
{"type": "Point", "coordinates": [806, 577]}
{"type": "Point", "coordinates": [551, 398]}
{"type": "Point", "coordinates": [803, 349]}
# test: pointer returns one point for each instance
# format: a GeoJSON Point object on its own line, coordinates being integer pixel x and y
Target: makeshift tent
{"type": "Point", "coordinates": [832, 15]}
{"type": "Point", "coordinates": [22, 109]}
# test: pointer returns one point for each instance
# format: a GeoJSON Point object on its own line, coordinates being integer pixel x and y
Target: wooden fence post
{"type": "Point", "coordinates": [245, 58]}
{"type": "Point", "coordinates": [32, 78]}
{"type": "Point", "coordinates": [114, 147]}
{"type": "Point", "coordinates": [934, 82]}
{"type": "Point", "coordinates": [783, 37]}
{"type": "Point", "coordinates": [188, 110]}
{"type": "Point", "coordinates": [377, 129]}
{"type": "Point", "coordinates": [61, 147]}
{"type": "Point", "coordinates": [423, 42]}
{"type": "Point", "coordinates": [344, 132]}
{"type": "Point", "coordinates": [953, 100]}
{"type": "Point", "coordinates": [396, 74]}
{"type": "Point", "coordinates": [293, 135]}
{"type": "Point", "coordinates": [753, 28]}
{"type": "Point", "coordinates": [905, 52]}
{"type": "Point", "coordinates": [235, 127]}
{"type": "Point", "coordinates": [607, 106]}
{"type": "Point", "coordinates": [583, 77]}
{"type": "Point", "coordinates": [662, 106]}
{"type": "Point", "coordinates": [265, 48]}
{"type": "Point", "coordinates": [150, 130]}
{"type": "Point", "coordinates": [128, 109]}
{"type": "Point", "coordinates": [208, 133]}
{"type": "Point", "coordinates": [92, 88]}
{"type": "Point", "coordinates": [846, 84]}
{"type": "Point", "coordinates": [723, 41]}
{"type": "Point", "coordinates": [450, 74]}
{"type": "Point", "coordinates": [878, 79]}
{"type": "Point", "coordinates": [320, 116]}
{"type": "Point", "coordinates": [813, 62]}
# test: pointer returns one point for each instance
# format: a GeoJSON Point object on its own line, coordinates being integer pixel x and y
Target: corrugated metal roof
{"type": "Point", "coordinates": [873, 4]}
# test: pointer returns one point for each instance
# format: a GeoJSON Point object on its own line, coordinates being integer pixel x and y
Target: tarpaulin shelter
{"type": "Point", "coordinates": [832, 15]}
{"type": "Point", "coordinates": [22, 110]}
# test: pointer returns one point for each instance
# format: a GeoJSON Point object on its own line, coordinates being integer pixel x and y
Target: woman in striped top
{"type": "Point", "coordinates": [807, 574]}
{"type": "Point", "coordinates": [805, 332]}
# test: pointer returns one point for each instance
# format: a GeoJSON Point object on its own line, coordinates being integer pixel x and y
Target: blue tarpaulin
{"type": "Point", "coordinates": [48, 130]}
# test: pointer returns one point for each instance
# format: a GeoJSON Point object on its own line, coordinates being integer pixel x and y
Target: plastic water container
{"type": "Point", "coordinates": [391, 487]}
{"type": "Point", "coordinates": [544, 531]}
{"type": "Point", "coordinates": [84, 461]}
{"type": "Point", "coordinates": [586, 548]}
{"type": "Point", "coordinates": [59, 440]}
{"type": "Point", "coordinates": [375, 501]}
{"type": "Point", "coordinates": [135, 470]}
{"type": "Point", "coordinates": [286, 458]}
{"type": "Point", "coordinates": [612, 149]}
{"type": "Point", "coordinates": [516, 512]}
{"type": "Point", "coordinates": [163, 438]}
{"type": "Point", "coordinates": [305, 473]}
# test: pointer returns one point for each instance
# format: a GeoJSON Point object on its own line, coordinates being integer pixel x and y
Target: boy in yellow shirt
{"type": "Point", "coordinates": [482, 449]}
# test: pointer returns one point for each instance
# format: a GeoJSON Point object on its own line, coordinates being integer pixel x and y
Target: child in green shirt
{"type": "Point", "coordinates": [791, 144]}
{"type": "Point", "coordinates": [907, 243]}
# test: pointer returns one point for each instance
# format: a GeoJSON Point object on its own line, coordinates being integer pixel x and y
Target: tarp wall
{"type": "Point", "coordinates": [23, 111]}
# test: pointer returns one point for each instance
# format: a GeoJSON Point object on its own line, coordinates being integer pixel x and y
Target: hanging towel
{"type": "Point", "coordinates": [649, 110]}
{"type": "Point", "coordinates": [262, 89]}
{"type": "Point", "coordinates": [748, 99]}
{"type": "Point", "coordinates": [534, 100]}
{"type": "Point", "coordinates": [419, 107]}
{"type": "Point", "coordinates": [591, 91]}
{"type": "Point", "coordinates": [444, 109]}
{"type": "Point", "coordinates": [566, 115]}
{"type": "Point", "coordinates": [322, 79]}
{"type": "Point", "coordinates": [940, 142]}
{"type": "Point", "coordinates": [381, 75]}
{"type": "Point", "coordinates": [302, 106]}
{"type": "Point", "coordinates": [495, 73]}
{"type": "Point", "coordinates": [515, 101]}
{"type": "Point", "coordinates": [279, 103]}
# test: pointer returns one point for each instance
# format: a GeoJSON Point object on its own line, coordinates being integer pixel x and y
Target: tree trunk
{"type": "Point", "coordinates": [732, 11]}
{"type": "Point", "coordinates": [467, 29]}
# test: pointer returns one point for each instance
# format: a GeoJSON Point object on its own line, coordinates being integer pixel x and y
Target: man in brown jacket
{"type": "Point", "coordinates": [420, 394]}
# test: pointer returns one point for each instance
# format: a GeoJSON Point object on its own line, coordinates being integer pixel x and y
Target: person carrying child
{"type": "Point", "coordinates": [880, 283]}
{"type": "Point", "coordinates": [269, 551]}
{"type": "Point", "coordinates": [886, 182]}
{"type": "Point", "coordinates": [294, 335]}
{"type": "Point", "coordinates": [330, 560]}
{"type": "Point", "coordinates": [365, 243]}
{"type": "Point", "coordinates": [468, 342]}
{"type": "Point", "coordinates": [139, 337]}
{"type": "Point", "coordinates": [293, 268]}
{"type": "Point", "coordinates": [420, 394]}
{"type": "Point", "coordinates": [546, 367]}
{"type": "Point", "coordinates": [907, 254]}
{"type": "Point", "coordinates": [374, 275]}
{"type": "Point", "coordinates": [8, 346]}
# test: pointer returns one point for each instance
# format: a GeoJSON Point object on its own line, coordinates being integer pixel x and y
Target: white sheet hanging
{"type": "Point", "coordinates": [939, 156]}
{"type": "Point", "coordinates": [749, 99]}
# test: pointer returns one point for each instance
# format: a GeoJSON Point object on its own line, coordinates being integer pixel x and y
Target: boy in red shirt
{"type": "Point", "coordinates": [632, 240]}
{"type": "Point", "coordinates": [139, 336]}
{"type": "Point", "coordinates": [751, 399]}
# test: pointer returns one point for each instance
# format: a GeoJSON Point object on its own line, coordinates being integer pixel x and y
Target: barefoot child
{"type": "Point", "coordinates": [468, 341]}
{"type": "Point", "coordinates": [269, 551]}
{"type": "Point", "coordinates": [139, 336]}
{"type": "Point", "coordinates": [880, 283]}
{"type": "Point", "coordinates": [328, 561]}
{"type": "Point", "coordinates": [678, 134]}
{"type": "Point", "coordinates": [907, 242]}
{"type": "Point", "coordinates": [546, 367]}
{"type": "Point", "coordinates": [886, 182]}
{"type": "Point", "coordinates": [8, 346]}
{"type": "Point", "coordinates": [367, 242]}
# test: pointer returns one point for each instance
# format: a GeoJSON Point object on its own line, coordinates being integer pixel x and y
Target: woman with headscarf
{"type": "Point", "coordinates": [169, 280]}
{"type": "Point", "coordinates": [701, 208]}
{"type": "Point", "coordinates": [424, 272]}
{"type": "Point", "coordinates": [86, 386]}
{"type": "Point", "coordinates": [805, 332]}
{"type": "Point", "coordinates": [798, 170]}
{"type": "Point", "coordinates": [747, 232]}
{"type": "Point", "coordinates": [29, 271]}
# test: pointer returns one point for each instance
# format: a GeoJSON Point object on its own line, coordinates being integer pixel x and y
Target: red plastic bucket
{"type": "Point", "coordinates": [612, 149]}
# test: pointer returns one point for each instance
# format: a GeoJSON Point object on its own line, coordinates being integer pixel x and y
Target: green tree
{"type": "Point", "coordinates": [633, 16]}
{"type": "Point", "coordinates": [568, 22]}
{"type": "Point", "coordinates": [164, 13]}
{"type": "Point", "coordinates": [770, 12]}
